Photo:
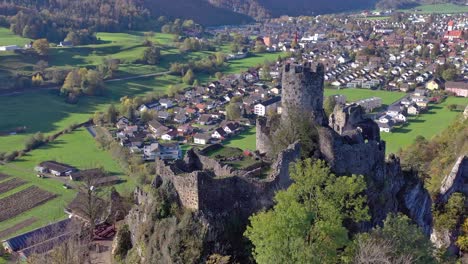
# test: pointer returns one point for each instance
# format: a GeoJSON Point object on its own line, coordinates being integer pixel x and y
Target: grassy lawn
{"type": "Point", "coordinates": [78, 149]}
{"type": "Point", "coordinates": [428, 125]}
{"type": "Point", "coordinates": [353, 94]}
{"type": "Point", "coordinates": [230, 152]}
{"type": "Point", "coordinates": [8, 38]}
{"type": "Point", "coordinates": [236, 66]}
{"type": "Point", "coordinates": [245, 140]}
{"type": "Point", "coordinates": [438, 8]}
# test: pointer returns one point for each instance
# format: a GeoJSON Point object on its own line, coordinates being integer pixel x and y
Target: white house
{"type": "Point", "coordinates": [166, 103]}
{"type": "Point", "coordinates": [202, 139]}
{"type": "Point", "coordinates": [164, 151]}
{"type": "Point", "coordinates": [263, 108]}
{"type": "Point", "coordinates": [219, 133]}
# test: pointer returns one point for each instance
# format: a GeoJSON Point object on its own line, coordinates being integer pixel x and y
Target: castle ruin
{"type": "Point", "coordinates": [351, 144]}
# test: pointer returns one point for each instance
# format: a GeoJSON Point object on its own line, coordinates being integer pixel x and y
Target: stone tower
{"type": "Point", "coordinates": [303, 90]}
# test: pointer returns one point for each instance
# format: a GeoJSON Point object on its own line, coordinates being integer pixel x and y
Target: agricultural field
{"type": "Point", "coordinates": [22, 201]}
{"type": "Point", "coordinates": [427, 125]}
{"type": "Point", "coordinates": [77, 149]}
{"type": "Point", "coordinates": [11, 184]}
{"type": "Point", "coordinates": [438, 9]}
{"type": "Point", "coordinates": [353, 94]}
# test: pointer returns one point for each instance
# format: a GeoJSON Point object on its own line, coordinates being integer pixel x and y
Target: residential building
{"type": "Point", "coordinates": [458, 88]}
{"type": "Point", "coordinates": [164, 151]}
{"type": "Point", "coordinates": [265, 107]}
{"type": "Point", "coordinates": [202, 139]}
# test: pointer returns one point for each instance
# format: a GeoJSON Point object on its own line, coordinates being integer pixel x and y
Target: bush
{"type": "Point", "coordinates": [34, 141]}
{"type": "Point", "coordinates": [11, 156]}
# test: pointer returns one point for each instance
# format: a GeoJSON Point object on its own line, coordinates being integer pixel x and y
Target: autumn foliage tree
{"type": "Point", "coordinates": [41, 46]}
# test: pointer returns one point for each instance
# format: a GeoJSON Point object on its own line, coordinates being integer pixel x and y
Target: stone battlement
{"type": "Point", "coordinates": [303, 68]}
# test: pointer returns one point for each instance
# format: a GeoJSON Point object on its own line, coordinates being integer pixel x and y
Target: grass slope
{"type": "Point", "coordinates": [428, 125]}
{"type": "Point", "coordinates": [78, 149]}
{"type": "Point", "coordinates": [437, 9]}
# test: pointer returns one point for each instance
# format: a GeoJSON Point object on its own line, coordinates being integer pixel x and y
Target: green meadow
{"type": "Point", "coordinates": [427, 124]}
{"type": "Point", "coordinates": [245, 140]}
{"type": "Point", "coordinates": [438, 9]}
{"type": "Point", "coordinates": [354, 94]}
{"type": "Point", "coordinates": [8, 38]}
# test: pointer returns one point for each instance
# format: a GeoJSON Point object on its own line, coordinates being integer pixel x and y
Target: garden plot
{"type": "Point", "coordinates": [23, 201]}
{"type": "Point", "coordinates": [10, 185]}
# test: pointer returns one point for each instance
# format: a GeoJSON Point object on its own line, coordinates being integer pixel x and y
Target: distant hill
{"type": "Point", "coordinates": [200, 11]}
{"type": "Point", "coordinates": [275, 8]}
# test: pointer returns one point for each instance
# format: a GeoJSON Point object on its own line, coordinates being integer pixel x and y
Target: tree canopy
{"type": "Point", "coordinates": [307, 223]}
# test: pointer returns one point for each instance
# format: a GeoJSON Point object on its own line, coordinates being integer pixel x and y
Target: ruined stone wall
{"type": "Point", "coordinates": [187, 188]}
{"type": "Point", "coordinates": [362, 158]}
{"type": "Point", "coordinates": [210, 187]}
{"type": "Point", "coordinates": [263, 141]}
{"type": "Point", "coordinates": [303, 90]}
{"type": "Point", "coordinates": [455, 180]}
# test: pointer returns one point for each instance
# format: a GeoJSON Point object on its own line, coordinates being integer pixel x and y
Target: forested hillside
{"type": "Point", "coordinates": [53, 19]}
{"type": "Point", "coordinates": [267, 8]}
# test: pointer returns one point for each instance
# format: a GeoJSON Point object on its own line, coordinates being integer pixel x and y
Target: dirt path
{"type": "Point", "coordinates": [9, 231]}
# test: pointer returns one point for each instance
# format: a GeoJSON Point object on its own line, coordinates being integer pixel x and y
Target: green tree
{"type": "Point", "coordinates": [233, 112]}
{"type": "Point", "coordinates": [41, 46]}
{"type": "Point", "coordinates": [73, 38]}
{"type": "Point", "coordinates": [450, 215]}
{"type": "Point", "coordinates": [306, 225]}
{"type": "Point", "coordinates": [189, 77]}
{"type": "Point", "coordinates": [452, 107]}
{"type": "Point", "coordinates": [111, 114]}
{"type": "Point", "coordinates": [462, 240]}
{"type": "Point", "coordinates": [398, 241]}
{"type": "Point", "coordinates": [152, 55]}
{"type": "Point", "coordinates": [449, 74]}
{"type": "Point", "coordinates": [260, 47]}
{"type": "Point", "coordinates": [219, 75]}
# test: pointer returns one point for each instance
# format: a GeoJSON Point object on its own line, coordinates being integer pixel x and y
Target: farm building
{"type": "Point", "coordinates": [40, 240]}
{"type": "Point", "coordinates": [79, 175]}
{"type": "Point", "coordinates": [55, 168]}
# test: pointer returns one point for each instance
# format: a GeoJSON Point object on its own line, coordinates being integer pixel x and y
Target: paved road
{"type": "Point", "coordinates": [110, 80]}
